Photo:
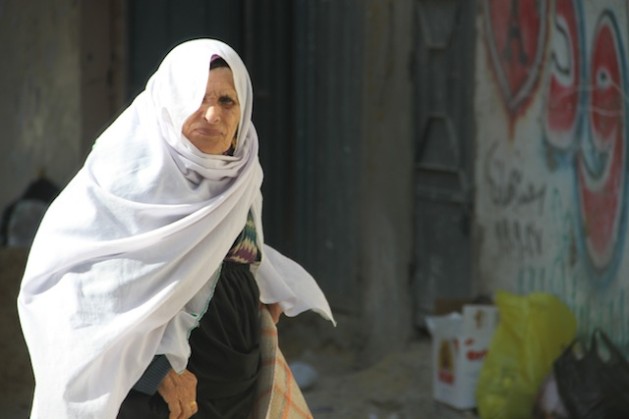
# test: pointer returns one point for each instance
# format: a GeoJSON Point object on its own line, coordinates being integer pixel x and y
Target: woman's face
{"type": "Point", "coordinates": [212, 128]}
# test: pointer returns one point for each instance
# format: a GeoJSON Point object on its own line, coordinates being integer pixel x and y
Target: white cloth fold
{"type": "Point", "coordinates": [126, 258]}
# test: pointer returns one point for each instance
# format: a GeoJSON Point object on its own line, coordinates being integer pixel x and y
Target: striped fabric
{"type": "Point", "coordinates": [245, 249]}
{"type": "Point", "coordinates": [278, 395]}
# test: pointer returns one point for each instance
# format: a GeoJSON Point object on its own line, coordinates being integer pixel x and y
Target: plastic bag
{"type": "Point", "coordinates": [593, 383]}
{"type": "Point", "coordinates": [548, 403]}
{"type": "Point", "coordinates": [532, 332]}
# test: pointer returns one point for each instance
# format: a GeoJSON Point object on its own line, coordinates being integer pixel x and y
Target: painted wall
{"type": "Point", "coordinates": [39, 81]}
{"type": "Point", "coordinates": [551, 154]}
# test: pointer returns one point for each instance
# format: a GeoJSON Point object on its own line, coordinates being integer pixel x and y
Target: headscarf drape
{"type": "Point", "coordinates": [127, 257]}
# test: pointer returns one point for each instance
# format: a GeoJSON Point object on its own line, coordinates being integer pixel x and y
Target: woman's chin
{"type": "Point", "coordinates": [210, 146]}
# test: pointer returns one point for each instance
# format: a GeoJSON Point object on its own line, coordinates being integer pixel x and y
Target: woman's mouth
{"type": "Point", "coordinates": [207, 132]}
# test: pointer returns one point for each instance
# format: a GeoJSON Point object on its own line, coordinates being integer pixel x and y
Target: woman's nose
{"type": "Point", "coordinates": [212, 114]}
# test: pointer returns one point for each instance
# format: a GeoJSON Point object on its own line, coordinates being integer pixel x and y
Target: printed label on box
{"type": "Point", "coordinates": [460, 343]}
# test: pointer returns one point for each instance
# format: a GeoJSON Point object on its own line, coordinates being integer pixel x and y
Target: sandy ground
{"type": "Point", "coordinates": [396, 387]}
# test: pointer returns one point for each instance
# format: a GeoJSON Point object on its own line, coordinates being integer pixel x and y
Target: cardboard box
{"type": "Point", "coordinates": [459, 344]}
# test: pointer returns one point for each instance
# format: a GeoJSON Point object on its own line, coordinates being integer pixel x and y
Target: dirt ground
{"type": "Point", "coordinates": [396, 387]}
{"type": "Point", "coordinates": [16, 379]}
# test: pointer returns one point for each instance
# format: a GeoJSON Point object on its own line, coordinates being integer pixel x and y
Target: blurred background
{"type": "Point", "coordinates": [415, 151]}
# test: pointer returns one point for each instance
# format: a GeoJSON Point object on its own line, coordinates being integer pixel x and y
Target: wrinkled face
{"type": "Point", "coordinates": [212, 128]}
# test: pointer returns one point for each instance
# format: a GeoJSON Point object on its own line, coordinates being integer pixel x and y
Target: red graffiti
{"type": "Point", "coordinates": [516, 39]}
{"type": "Point", "coordinates": [601, 171]}
{"type": "Point", "coordinates": [564, 92]}
{"type": "Point", "coordinates": [585, 119]}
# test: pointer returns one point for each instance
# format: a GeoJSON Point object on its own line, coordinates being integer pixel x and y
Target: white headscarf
{"type": "Point", "coordinates": [127, 257]}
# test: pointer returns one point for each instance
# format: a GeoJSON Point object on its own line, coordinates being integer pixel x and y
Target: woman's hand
{"type": "Point", "coordinates": [179, 391]}
{"type": "Point", "coordinates": [275, 310]}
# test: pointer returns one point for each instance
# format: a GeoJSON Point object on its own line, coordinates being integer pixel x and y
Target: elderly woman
{"type": "Point", "coordinates": [147, 279]}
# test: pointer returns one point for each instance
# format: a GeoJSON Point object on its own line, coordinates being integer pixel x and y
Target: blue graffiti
{"type": "Point", "coordinates": [581, 107]}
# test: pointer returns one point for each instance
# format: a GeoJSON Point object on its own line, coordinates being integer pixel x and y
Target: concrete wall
{"type": "Point", "coordinates": [62, 80]}
{"type": "Point", "coordinates": [551, 156]}
{"type": "Point", "coordinates": [387, 172]}
{"type": "Point", "coordinates": [39, 81]}
{"type": "Point", "coordinates": [41, 117]}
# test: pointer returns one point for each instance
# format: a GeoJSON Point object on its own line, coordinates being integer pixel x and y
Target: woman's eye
{"type": "Point", "coordinates": [227, 101]}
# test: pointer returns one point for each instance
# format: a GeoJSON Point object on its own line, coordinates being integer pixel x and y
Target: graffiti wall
{"type": "Point", "coordinates": [551, 154]}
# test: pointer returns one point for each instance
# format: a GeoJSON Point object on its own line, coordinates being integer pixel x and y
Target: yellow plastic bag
{"type": "Point", "coordinates": [532, 332]}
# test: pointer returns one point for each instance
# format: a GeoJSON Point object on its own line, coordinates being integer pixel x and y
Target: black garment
{"type": "Point", "coordinates": [227, 372]}
{"type": "Point", "coordinates": [225, 353]}
{"type": "Point", "coordinates": [142, 406]}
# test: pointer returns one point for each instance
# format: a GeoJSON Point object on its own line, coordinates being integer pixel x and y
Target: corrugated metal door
{"type": "Point", "coordinates": [443, 68]}
{"type": "Point", "coordinates": [155, 26]}
{"type": "Point", "coordinates": [269, 57]}
{"type": "Point", "coordinates": [328, 67]}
